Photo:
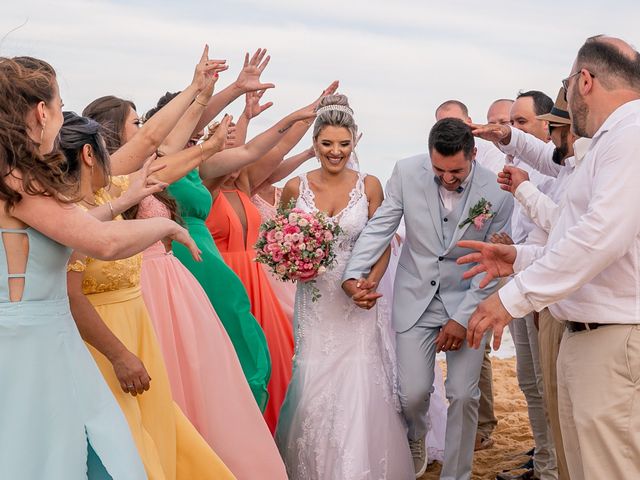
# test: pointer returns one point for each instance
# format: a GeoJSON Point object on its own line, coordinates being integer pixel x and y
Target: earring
{"type": "Point", "coordinates": [44, 124]}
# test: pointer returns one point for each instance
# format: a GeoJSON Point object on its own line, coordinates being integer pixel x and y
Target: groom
{"type": "Point", "coordinates": [445, 197]}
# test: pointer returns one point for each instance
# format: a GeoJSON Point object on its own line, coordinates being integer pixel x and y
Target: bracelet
{"type": "Point", "coordinates": [111, 208]}
{"type": "Point", "coordinates": [198, 101]}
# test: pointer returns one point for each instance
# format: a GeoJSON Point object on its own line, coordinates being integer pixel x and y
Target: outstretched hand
{"type": "Point", "coordinates": [493, 132]}
{"type": "Point", "coordinates": [216, 139]}
{"type": "Point", "coordinates": [249, 78]}
{"type": "Point", "coordinates": [490, 315]}
{"type": "Point", "coordinates": [495, 259]}
{"type": "Point", "coordinates": [252, 106]}
{"type": "Point", "coordinates": [330, 90]}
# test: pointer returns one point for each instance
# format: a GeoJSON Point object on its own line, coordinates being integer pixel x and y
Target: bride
{"type": "Point", "coordinates": [340, 418]}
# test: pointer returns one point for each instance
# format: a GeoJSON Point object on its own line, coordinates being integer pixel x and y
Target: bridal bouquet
{"type": "Point", "coordinates": [297, 246]}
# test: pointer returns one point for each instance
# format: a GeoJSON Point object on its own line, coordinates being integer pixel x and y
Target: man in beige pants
{"type": "Point", "coordinates": [589, 272]}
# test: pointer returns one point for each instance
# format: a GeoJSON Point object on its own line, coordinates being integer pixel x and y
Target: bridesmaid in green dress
{"type": "Point", "coordinates": [223, 287]}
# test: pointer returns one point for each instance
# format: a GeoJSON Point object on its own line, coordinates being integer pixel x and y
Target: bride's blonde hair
{"type": "Point", "coordinates": [334, 111]}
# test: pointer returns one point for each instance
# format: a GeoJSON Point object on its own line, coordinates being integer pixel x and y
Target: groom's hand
{"type": "Point", "coordinates": [450, 337]}
{"type": "Point", "coordinates": [362, 292]}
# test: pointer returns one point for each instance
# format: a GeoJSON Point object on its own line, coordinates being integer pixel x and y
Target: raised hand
{"type": "Point", "coordinates": [252, 106]}
{"type": "Point", "coordinates": [217, 137]}
{"type": "Point", "coordinates": [249, 78]}
{"type": "Point", "coordinates": [493, 132]}
{"type": "Point", "coordinates": [330, 90]}
{"type": "Point", "coordinates": [131, 373]}
{"type": "Point", "coordinates": [451, 337]}
{"type": "Point", "coordinates": [511, 177]}
{"type": "Point", "coordinates": [207, 71]}
{"type": "Point", "coordinates": [490, 315]}
{"type": "Point", "coordinates": [495, 259]}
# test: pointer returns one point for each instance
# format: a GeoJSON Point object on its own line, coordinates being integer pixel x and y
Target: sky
{"type": "Point", "coordinates": [396, 61]}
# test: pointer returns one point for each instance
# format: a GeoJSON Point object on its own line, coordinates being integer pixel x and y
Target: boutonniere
{"type": "Point", "coordinates": [478, 214]}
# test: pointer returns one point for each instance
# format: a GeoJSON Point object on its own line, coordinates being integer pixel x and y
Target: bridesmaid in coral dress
{"type": "Point", "coordinates": [284, 291]}
{"type": "Point", "coordinates": [234, 223]}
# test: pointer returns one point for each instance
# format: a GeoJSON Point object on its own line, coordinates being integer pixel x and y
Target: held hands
{"type": "Point", "coordinates": [495, 259]}
{"type": "Point", "coordinates": [510, 178]}
{"type": "Point", "coordinates": [451, 337]}
{"type": "Point", "coordinates": [206, 72]}
{"type": "Point", "coordinates": [493, 132]}
{"type": "Point", "coordinates": [362, 292]}
{"type": "Point", "coordinates": [131, 373]}
{"type": "Point", "coordinates": [490, 314]}
{"type": "Point", "coordinates": [249, 78]}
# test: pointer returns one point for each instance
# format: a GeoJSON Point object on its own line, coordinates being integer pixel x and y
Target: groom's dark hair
{"type": "Point", "coordinates": [449, 136]}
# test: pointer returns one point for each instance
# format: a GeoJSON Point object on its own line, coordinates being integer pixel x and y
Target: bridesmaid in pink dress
{"type": "Point", "coordinates": [284, 291]}
{"type": "Point", "coordinates": [205, 374]}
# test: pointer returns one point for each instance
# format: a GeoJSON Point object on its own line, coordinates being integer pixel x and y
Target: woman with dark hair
{"type": "Point", "coordinates": [107, 304]}
{"type": "Point", "coordinates": [59, 420]}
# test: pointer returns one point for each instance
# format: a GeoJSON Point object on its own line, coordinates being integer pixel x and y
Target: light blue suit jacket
{"type": "Point", "coordinates": [426, 264]}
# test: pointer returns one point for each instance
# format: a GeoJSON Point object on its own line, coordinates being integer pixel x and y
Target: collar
{"type": "Point", "coordinates": [623, 111]}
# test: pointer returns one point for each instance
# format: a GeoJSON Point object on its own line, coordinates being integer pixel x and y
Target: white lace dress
{"type": "Point", "coordinates": [340, 419]}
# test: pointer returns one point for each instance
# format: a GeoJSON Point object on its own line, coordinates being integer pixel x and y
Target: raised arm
{"type": "Point", "coordinates": [132, 155]}
{"type": "Point", "coordinates": [235, 158]}
{"type": "Point", "coordinates": [287, 167]}
{"type": "Point", "coordinates": [529, 149]}
{"type": "Point", "coordinates": [248, 81]}
{"type": "Point", "coordinates": [258, 172]}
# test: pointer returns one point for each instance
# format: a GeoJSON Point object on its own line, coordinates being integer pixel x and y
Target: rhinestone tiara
{"type": "Point", "coordinates": [336, 108]}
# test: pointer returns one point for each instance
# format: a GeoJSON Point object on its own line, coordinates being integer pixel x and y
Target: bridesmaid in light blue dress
{"type": "Point", "coordinates": [58, 418]}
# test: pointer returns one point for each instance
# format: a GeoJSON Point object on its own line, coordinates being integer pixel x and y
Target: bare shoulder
{"type": "Point", "coordinates": [372, 185]}
{"type": "Point", "coordinates": [290, 190]}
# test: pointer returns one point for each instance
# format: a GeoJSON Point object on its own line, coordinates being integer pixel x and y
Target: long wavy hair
{"type": "Point", "coordinates": [25, 82]}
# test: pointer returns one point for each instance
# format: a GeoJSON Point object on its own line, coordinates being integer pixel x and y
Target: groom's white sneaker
{"type": "Point", "coordinates": [419, 454]}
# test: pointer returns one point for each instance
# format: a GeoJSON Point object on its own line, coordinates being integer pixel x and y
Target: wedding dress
{"type": "Point", "coordinates": [341, 416]}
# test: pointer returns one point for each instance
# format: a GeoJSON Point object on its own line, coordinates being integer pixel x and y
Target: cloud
{"type": "Point", "coordinates": [396, 61]}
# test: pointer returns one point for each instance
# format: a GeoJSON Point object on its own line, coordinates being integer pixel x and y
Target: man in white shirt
{"type": "Point", "coordinates": [500, 111]}
{"type": "Point", "coordinates": [525, 118]}
{"type": "Point", "coordinates": [555, 158]}
{"type": "Point", "coordinates": [589, 271]}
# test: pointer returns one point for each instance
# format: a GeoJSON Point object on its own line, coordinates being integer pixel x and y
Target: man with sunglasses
{"type": "Point", "coordinates": [589, 272]}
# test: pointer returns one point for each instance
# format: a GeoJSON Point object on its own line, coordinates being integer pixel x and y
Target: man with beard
{"type": "Point", "coordinates": [589, 271]}
{"type": "Point", "coordinates": [544, 211]}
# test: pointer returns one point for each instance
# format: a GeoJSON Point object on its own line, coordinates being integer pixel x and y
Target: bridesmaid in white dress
{"type": "Point", "coordinates": [341, 419]}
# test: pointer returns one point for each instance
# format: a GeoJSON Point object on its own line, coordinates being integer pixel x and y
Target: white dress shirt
{"type": "Point", "coordinates": [489, 156]}
{"type": "Point", "coordinates": [450, 198]}
{"type": "Point", "coordinates": [589, 270]}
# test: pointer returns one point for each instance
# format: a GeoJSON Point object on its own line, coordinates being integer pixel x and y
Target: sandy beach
{"type": "Point", "coordinates": [512, 435]}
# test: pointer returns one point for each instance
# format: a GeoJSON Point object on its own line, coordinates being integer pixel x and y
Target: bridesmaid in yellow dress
{"type": "Point", "coordinates": [108, 293]}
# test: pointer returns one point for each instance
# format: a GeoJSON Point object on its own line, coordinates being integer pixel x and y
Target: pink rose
{"type": "Point", "coordinates": [328, 236]}
{"type": "Point", "coordinates": [278, 236]}
{"type": "Point", "coordinates": [281, 269]}
{"type": "Point", "coordinates": [478, 222]}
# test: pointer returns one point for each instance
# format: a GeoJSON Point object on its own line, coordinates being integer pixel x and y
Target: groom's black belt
{"type": "Point", "coordinates": [581, 327]}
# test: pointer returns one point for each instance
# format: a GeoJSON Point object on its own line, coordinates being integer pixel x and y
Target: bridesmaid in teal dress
{"type": "Point", "coordinates": [223, 287]}
{"type": "Point", "coordinates": [58, 418]}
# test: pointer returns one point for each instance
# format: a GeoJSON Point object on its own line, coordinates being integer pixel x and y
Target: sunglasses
{"type": "Point", "coordinates": [565, 82]}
